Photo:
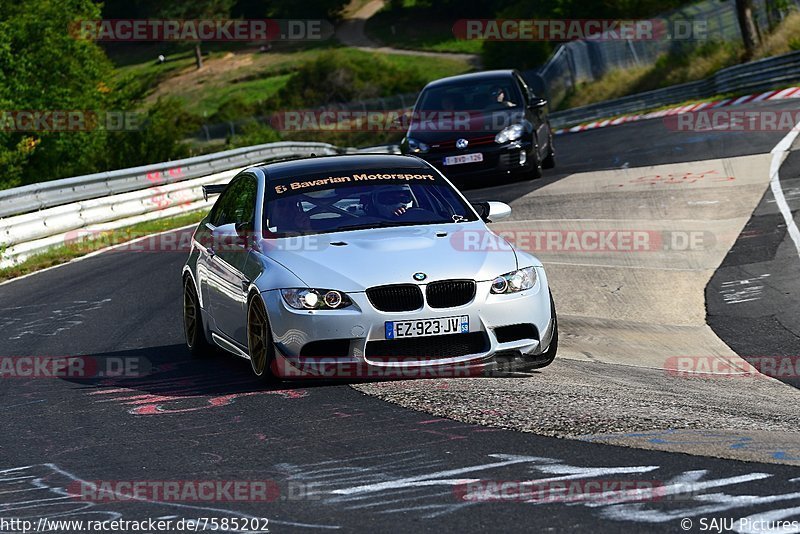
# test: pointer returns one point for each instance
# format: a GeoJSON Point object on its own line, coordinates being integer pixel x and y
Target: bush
{"type": "Point", "coordinates": [254, 133]}
{"type": "Point", "coordinates": [337, 77]}
{"type": "Point", "coordinates": [158, 138]}
{"type": "Point", "coordinates": [44, 69]}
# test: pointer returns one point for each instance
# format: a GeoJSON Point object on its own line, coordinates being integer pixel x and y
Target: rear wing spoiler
{"type": "Point", "coordinates": [215, 189]}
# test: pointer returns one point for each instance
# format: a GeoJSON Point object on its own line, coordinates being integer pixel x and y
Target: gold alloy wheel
{"type": "Point", "coordinates": [258, 338]}
{"type": "Point", "coordinates": [189, 313]}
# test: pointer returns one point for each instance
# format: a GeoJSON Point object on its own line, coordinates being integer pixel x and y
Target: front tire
{"type": "Point", "coordinates": [534, 169]}
{"type": "Point", "coordinates": [259, 340]}
{"type": "Point", "coordinates": [546, 358]}
{"type": "Point", "coordinates": [193, 328]}
{"type": "Point", "coordinates": [550, 160]}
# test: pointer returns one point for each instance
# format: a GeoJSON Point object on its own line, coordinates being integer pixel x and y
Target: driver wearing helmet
{"type": "Point", "coordinates": [392, 201]}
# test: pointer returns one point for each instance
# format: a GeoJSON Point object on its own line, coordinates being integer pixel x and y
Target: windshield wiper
{"type": "Point", "coordinates": [381, 224]}
{"type": "Point", "coordinates": [388, 224]}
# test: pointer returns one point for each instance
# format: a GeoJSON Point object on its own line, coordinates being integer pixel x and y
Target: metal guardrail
{"type": "Point", "coordinates": [58, 192]}
{"type": "Point", "coordinates": [583, 61]}
{"type": "Point", "coordinates": [761, 75]}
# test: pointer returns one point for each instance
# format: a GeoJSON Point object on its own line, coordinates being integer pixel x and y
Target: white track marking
{"type": "Point", "coordinates": [97, 252]}
{"type": "Point", "coordinates": [425, 479]}
{"type": "Point", "coordinates": [775, 183]}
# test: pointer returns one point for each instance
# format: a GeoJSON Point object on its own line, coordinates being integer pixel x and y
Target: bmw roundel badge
{"type": "Point", "coordinates": [419, 277]}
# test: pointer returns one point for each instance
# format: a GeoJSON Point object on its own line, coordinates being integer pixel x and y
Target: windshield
{"type": "Point", "coordinates": [484, 96]}
{"type": "Point", "coordinates": [314, 204]}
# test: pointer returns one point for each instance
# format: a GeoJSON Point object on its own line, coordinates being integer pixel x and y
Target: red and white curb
{"type": "Point", "coordinates": [781, 94]}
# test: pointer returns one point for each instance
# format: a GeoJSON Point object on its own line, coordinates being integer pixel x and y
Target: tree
{"type": "Point", "coordinates": [200, 10]}
{"type": "Point", "coordinates": [744, 12]}
{"type": "Point", "coordinates": [44, 69]}
{"type": "Point", "coordinates": [308, 9]}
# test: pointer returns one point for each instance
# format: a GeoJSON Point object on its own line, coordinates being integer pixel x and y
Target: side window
{"type": "Point", "coordinates": [223, 206]}
{"type": "Point", "coordinates": [245, 202]}
{"type": "Point", "coordinates": [237, 203]}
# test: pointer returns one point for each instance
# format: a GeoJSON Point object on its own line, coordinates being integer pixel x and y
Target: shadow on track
{"type": "Point", "coordinates": [169, 371]}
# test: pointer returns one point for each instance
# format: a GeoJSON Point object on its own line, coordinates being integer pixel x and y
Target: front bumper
{"type": "Point", "coordinates": [497, 159]}
{"type": "Point", "coordinates": [340, 338]}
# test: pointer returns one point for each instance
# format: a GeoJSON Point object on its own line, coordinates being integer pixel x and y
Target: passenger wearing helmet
{"type": "Point", "coordinates": [391, 201]}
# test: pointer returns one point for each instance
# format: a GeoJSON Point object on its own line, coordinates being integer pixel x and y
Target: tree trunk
{"type": "Point", "coordinates": [744, 12]}
{"type": "Point", "coordinates": [198, 55]}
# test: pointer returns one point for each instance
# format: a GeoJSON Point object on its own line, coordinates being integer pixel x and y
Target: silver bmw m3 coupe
{"type": "Point", "coordinates": [362, 266]}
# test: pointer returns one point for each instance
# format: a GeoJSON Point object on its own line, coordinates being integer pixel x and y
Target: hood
{"type": "Point", "coordinates": [435, 127]}
{"type": "Point", "coordinates": [354, 261]}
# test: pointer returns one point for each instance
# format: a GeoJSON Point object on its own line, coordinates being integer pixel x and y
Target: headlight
{"type": "Point", "coordinates": [515, 281]}
{"type": "Point", "coordinates": [315, 299]}
{"type": "Point", "coordinates": [510, 133]}
{"type": "Point", "coordinates": [417, 146]}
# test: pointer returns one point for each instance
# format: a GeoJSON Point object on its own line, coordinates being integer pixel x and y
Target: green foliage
{"type": "Point", "coordinates": [418, 28]}
{"type": "Point", "coordinates": [522, 55]}
{"type": "Point", "coordinates": [44, 68]}
{"type": "Point", "coordinates": [336, 77]}
{"type": "Point", "coordinates": [198, 9]}
{"type": "Point", "coordinates": [255, 133]}
{"type": "Point", "coordinates": [329, 9]}
{"type": "Point", "coordinates": [158, 137]}
{"type": "Point", "coordinates": [235, 107]}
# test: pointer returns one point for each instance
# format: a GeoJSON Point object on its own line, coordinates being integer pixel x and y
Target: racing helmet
{"type": "Point", "coordinates": [387, 199]}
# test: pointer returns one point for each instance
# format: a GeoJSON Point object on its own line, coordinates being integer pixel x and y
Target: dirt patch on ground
{"type": "Point", "coordinates": [221, 70]}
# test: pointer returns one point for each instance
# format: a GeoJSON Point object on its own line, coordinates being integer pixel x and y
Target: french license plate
{"type": "Point", "coordinates": [463, 158]}
{"type": "Point", "coordinates": [427, 327]}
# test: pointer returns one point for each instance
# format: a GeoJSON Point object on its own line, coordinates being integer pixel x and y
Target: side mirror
{"type": "Point", "coordinates": [400, 122]}
{"type": "Point", "coordinates": [538, 103]}
{"type": "Point", "coordinates": [492, 211]}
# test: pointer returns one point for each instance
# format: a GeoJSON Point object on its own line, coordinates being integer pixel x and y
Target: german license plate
{"type": "Point", "coordinates": [427, 327]}
{"type": "Point", "coordinates": [463, 158]}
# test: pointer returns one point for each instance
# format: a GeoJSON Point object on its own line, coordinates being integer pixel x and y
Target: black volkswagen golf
{"type": "Point", "coordinates": [481, 125]}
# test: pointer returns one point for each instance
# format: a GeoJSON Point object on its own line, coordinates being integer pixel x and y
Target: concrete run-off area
{"type": "Point", "coordinates": [631, 315]}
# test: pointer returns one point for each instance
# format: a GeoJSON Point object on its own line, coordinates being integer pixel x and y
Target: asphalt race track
{"type": "Point", "coordinates": [722, 448]}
